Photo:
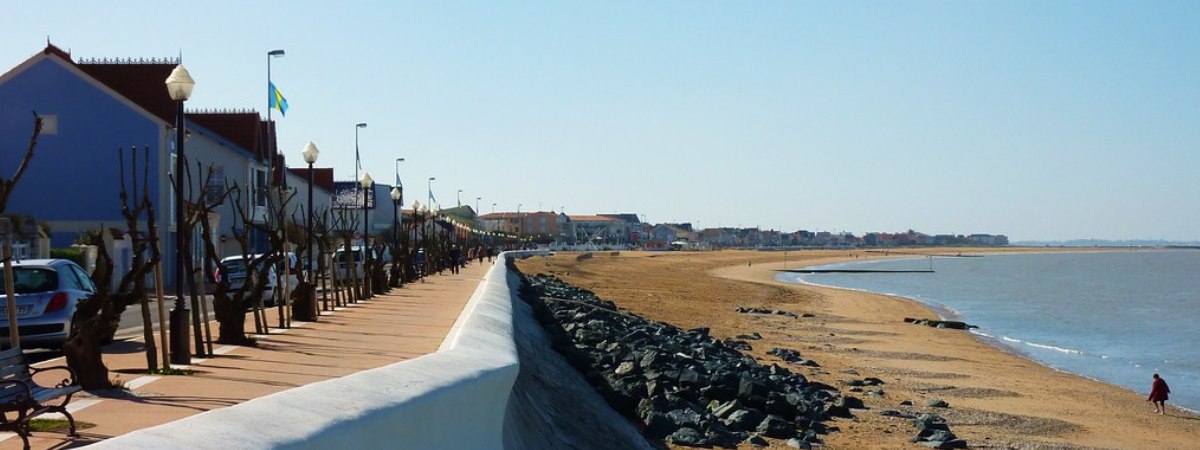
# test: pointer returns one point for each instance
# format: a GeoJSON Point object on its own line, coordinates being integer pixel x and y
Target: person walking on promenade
{"type": "Point", "coordinates": [1158, 394]}
{"type": "Point", "coordinates": [455, 254]}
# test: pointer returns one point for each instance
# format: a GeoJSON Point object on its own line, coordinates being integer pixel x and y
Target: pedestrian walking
{"type": "Point", "coordinates": [1158, 394]}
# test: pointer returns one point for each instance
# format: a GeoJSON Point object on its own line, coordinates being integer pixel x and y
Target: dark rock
{"type": "Point", "coordinates": [750, 337]}
{"type": "Point", "coordinates": [724, 410]}
{"type": "Point", "coordinates": [776, 427]}
{"type": "Point", "coordinates": [744, 419]}
{"type": "Point", "coordinates": [686, 418]}
{"type": "Point", "coordinates": [876, 393]}
{"type": "Point", "coordinates": [937, 403]}
{"type": "Point", "coordinates": [872, 381]}
{"type": "Point", "coordinates": [658, 426]}
{"type": "Point", "coordinates": [850, 402]}
{"type": "Point", "coordinates": [739, 345]}
{"type": "Point", "coordinates": [688, 436]}
{"type": "Point", "coordinates": [757, 441]}
{"type": "Point", "coordinates": [906, 403]}
{"type": "Point", "coordinates": [798, 443]}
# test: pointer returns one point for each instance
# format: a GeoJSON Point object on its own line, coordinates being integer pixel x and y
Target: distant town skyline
{"type": "Point", "coordinates": [1040, 121]}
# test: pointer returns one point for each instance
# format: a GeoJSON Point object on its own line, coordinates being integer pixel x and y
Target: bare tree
{"type": "Point", "coordinates": [97, 317]}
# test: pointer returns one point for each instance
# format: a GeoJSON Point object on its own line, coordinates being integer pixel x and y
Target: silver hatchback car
{"type": "Point", "coordinates": [46, 292]}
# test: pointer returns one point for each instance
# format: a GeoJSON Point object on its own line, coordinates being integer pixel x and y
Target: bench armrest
{"type": "Point", "coordinates": [71, 380]}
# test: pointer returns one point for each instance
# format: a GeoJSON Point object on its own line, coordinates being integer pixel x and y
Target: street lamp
{"type": "Point", "coordinates": [429, 200]}
{"type": "Point", "coordinates": [397, 199]}
{"type": "Point", "coordinates": [458, 199]}
{"type": "Point", "coordinates": [179, 86]}
{"type": "Point", "coordinates": [477, 199]}
{"type": "Point", "coordinates": [310, 154]}
{"type": "Point", "coordinates": [358, 161]}
{"type": "Point", "coordinates": [367, 184]}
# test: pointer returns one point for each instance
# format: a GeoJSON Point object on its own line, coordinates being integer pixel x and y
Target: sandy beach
{"type": "Point", "coordinates": [997, 399]}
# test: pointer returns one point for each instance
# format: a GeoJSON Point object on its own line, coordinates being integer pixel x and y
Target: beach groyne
{"type": "Point", "coordinates": [466, 395]}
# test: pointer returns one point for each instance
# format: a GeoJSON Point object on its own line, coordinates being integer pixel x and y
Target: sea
{"type": "Point", "coordinates": [1113, 316]}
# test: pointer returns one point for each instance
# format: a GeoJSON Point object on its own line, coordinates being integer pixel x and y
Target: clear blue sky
{"type": "Point", "coordinates": [1037, 119]}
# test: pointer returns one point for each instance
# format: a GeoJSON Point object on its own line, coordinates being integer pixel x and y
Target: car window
{"type": "Point", "coordinates": [28, 280]}
{"type": "Point", "coordinates": [84, 280]}
{"type": "Point", "coordinates": [70, 279]}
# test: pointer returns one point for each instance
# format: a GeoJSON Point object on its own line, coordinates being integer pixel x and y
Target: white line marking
{"type": "Point", "coordinates": [74, 407]}
{"type": "Point", "coordinates": [224, 349]}
{"type": "Point", "coordinates": [137, 383]}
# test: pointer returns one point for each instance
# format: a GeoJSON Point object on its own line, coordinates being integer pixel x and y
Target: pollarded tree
{"type": "Point", "coordinates": [97, 317]}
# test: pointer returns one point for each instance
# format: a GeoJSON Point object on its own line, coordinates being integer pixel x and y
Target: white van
{"type": "Point", "coordinates": [356, 255]}
{"type": "Point", "coordinates": [234, 268]}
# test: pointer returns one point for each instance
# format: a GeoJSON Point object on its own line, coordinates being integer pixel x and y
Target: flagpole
{"type": "Point", "coordinates": [270, 147]}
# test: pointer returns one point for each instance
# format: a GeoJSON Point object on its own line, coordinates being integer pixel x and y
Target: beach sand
{"type": "Point", "coordinates": [997, 399]}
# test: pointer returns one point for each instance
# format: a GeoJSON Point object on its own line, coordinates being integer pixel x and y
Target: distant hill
{"type": "Point", "coordinates": [1108, 243]}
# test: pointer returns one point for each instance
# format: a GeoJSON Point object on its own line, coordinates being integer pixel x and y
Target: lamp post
{"type": "Point", "coordinates": [458, 199]}
{"type": "Point", "coordinates": [520, 224]}
{"type": "Point", "coordinates": [416, 245]}
{"type": "Point", "coordinates": [310, 154]}
{"type": "Point", "coordinates": [429, 200]}
{"type": "Point", "coordinates": [179, 86]}
{"type": "Point", "coordinates": [367, 184]}
{"type": "Point", "coordinates": [397, 199]}
{"type": "Point", "coordinates": [358, 161]}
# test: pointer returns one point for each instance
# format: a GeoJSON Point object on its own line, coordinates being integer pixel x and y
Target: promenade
{"type": "Point", "coordinates": [406, 323]}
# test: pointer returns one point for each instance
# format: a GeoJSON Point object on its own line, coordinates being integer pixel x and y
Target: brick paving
{"type": "Point", "coordinates": [401, 325]}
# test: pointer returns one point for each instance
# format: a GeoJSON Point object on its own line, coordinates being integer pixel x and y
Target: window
{"type": "Point", "coordinates": [49, 124]}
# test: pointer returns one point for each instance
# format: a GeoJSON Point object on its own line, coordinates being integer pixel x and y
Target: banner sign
{"type": "Point", "coordinates": [349, 195]}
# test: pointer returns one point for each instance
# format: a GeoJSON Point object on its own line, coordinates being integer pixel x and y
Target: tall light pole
{"type": "Point", "coordinates": [358, 160]}
{"type": "Point", "coordinates": [367, 184]}
{"type": "Point", "coordinates": [398, 224]}
{"type": "Point", "coordinates": [430, 189]}
{"type": "Point", "coordinates": [477, 199]}
{"type": "Point", "coordinates": [458, 199]}
{"type": "Point", "coordinates": [397, 198]}
{"type": "Point", "coordinates": [520, 223]}
{"type": "Point", "coordinates": [310, 154]}
{"type": "Point", "coordinates": [179, 86]}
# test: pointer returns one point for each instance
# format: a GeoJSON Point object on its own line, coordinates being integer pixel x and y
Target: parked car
{"type": "Point", "coordinates": [356, 256]}
{"type": "Point", "coordinates": [233, 269]}
{"type": "Point", "coordinates": [46, 293]}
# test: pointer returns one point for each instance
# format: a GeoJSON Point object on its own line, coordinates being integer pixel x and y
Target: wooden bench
{"type": "Point", "coordinates": [19, 394]}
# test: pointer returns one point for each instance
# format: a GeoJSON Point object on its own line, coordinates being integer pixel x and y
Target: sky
{"type": "Point", "coordinates": [1038, 120]}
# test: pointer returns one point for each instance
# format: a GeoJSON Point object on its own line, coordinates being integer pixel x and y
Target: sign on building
{"type": "Point", "coordinates": [349, 195]}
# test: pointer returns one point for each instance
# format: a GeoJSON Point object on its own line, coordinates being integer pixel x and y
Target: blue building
{"type": "Point", "coordinates": [90, 110]}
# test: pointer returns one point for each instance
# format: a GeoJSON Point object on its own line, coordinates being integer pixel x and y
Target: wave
{"type": "Point", "coordinates": [1069, 351]}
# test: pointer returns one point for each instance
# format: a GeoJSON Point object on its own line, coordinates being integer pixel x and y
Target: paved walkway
{"type": "Point", "coordinates": [408, 322]}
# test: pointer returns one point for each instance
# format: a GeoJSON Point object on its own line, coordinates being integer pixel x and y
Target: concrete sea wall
{"type": "Point", "coordinates": [455, 398]}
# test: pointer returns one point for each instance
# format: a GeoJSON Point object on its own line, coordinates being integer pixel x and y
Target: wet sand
{"type": "Point", "coordinates": [997, 398]}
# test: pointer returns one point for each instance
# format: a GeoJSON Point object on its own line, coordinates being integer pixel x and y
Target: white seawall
{"type": "Point", "coordinates": [454, 398]}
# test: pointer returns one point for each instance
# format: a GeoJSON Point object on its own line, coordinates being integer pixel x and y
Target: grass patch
{"type": "Point", "coordinates": [56, 425]}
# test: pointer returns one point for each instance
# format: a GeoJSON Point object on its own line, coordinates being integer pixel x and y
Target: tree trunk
{"type": "Point", "coordinates": [231, 317]}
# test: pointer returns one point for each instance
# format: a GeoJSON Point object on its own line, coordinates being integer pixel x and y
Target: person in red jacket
{"type": "Point", "coordinates": [1158, 395]}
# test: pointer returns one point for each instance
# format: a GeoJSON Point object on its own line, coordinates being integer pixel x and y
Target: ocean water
{"type": "Point", "coordinates": [1117, 317]}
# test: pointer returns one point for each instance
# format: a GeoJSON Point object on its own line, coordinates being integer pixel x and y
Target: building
{"type": "Point", "coordinates": [93, 108]}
